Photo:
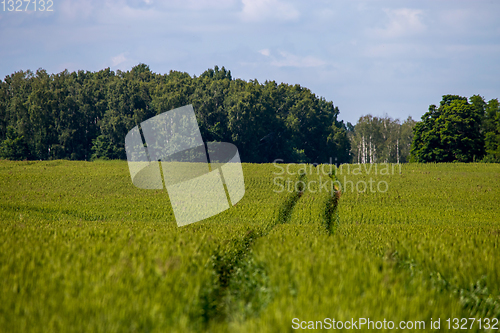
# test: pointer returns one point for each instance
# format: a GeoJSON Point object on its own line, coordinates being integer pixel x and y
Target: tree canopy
{"type": "Point", "coordinates": [85, 115]}
{"type": "Point", "coordinates": [456, 131]}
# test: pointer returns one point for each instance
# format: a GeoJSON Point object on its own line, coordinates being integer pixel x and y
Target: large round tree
{"type": "Point", "coordinates": [450, 132]}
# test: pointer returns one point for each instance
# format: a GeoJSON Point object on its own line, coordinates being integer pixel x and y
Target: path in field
{"type": "Point", "coordinates": [244, 290]}
{"type": "Point", "coordinates": [237, 275]}
{"type": "Point", "coordinates": [419, 251]}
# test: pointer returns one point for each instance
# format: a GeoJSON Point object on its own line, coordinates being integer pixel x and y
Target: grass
{"type": "Point", "coordinates": [82, 249]}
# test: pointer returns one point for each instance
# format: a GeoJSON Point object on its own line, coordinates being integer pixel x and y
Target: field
{"type": "Point", "coordinates": [83, 250]}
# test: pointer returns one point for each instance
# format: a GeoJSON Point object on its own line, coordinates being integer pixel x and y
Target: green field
{"type": "Point", "coordinates": [83, 250]}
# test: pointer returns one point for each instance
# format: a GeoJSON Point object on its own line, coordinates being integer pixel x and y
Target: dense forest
{"type": "Point", "coordinates": [86, 115]}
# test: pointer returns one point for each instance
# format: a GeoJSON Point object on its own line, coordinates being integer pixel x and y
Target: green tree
{"type": "Point", "coordinates": [17, 88]}
{"type": "Point", "coordinates": [405, 139]}
{"type": "Point", "coordinates": [128, 104]}
{"type": "Point", "coordinates": [491, 125]}
{"type": "Point", "coordinates": [450, 132]}
{"type": "Point", "coordinates": [41, 105]}
{"type": "Point", "coordinates": [92, 106]}
{"type": "Point", "coordinates": [4, 100]}
{"type": "Point", "coordinates": [14, 147]}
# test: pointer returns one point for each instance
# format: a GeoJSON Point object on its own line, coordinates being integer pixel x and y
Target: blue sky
{"type": "Point", "coordinates": [378, 57]}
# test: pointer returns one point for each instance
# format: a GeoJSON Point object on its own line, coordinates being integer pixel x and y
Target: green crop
{"type": "Point", "coordinates": [83, 250]}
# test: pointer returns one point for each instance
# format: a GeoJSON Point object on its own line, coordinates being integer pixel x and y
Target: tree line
{"type": "Point", "coordinates": [460, 129]}
{"type": "Point", "coordinates": [381, 139]}
{"type": "Point", "coordinates": [85, 115]}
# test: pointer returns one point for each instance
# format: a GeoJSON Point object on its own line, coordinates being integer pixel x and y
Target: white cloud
{"type": "Point", "coordinates": [290, 60]}
{"type": "Point", "coordinates": [260, 10]}
{"type": "Point", "coordinates": [265, 52]}
{"type": "Point", "coordinates": [119, 59]}
{"type": "Point", "coordinates": [402, 22]}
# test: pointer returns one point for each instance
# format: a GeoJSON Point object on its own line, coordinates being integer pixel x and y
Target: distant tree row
{"type": "Point", "coordinates": [460, 129]}
{"type": "Point", "coordinates": [86, 115]}
{"type": "Point", "coordinates": [381, 140]}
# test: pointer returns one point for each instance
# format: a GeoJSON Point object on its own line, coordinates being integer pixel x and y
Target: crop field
{"type": "Point", "coordinates": [83, 250]}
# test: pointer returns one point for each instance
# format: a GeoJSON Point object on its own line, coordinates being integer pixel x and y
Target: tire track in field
{"type": "Point", "coordinates": [237, 269]}
{"type": "Point", "coordinates": [331, 217]}
{"type": "Point", "coordinates": [285, 211]}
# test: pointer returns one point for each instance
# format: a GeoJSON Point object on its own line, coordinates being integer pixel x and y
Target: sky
{"type": "Point", "coordinates": [374, 57]}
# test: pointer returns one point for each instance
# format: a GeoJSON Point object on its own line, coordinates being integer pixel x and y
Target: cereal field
{"type": "Point", "coordinates": [83, 250]}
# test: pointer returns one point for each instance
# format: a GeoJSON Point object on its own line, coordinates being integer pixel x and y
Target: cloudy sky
{"type": "Point", "coordinates": [378, 57]}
